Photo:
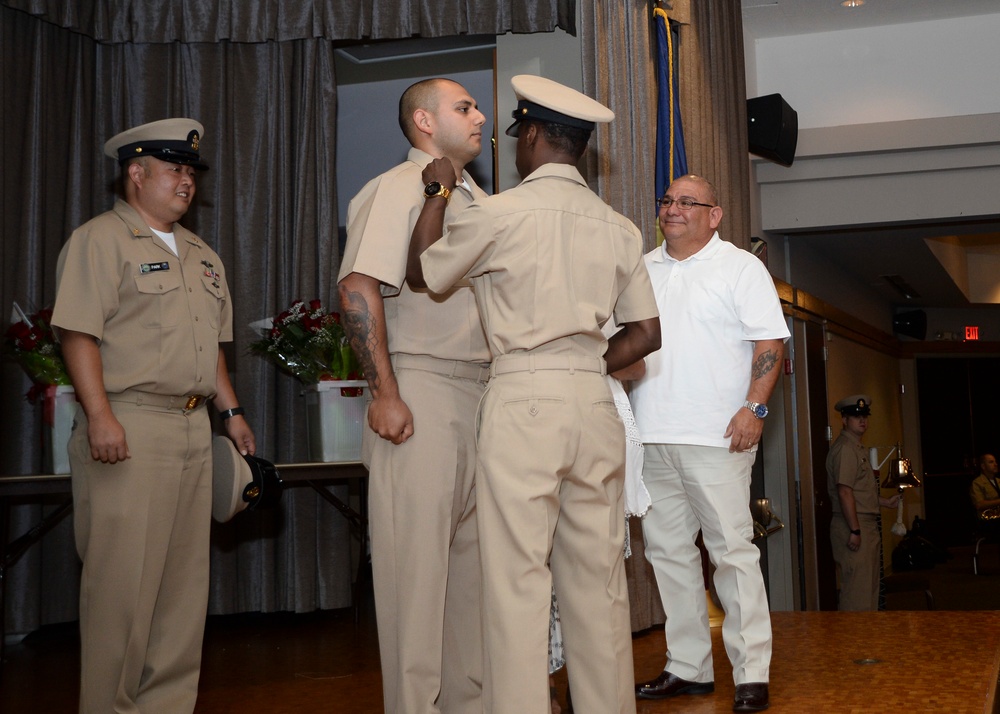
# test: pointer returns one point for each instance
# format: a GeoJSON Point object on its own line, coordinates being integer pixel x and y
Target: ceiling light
{"type": "Point", "coordinates": [853, 3]}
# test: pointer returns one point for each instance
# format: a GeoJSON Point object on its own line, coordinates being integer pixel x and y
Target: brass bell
{"type": "Point", "coordinates": [900, 473]}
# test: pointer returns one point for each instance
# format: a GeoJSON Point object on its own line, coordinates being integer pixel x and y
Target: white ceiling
{"type": "Point", "coordinates": [868, 254]}
{"type": "Point", "coordinates": [777, 18]}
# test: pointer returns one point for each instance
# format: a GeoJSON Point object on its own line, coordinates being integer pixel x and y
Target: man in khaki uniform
{"type": "Point", "coordinates": [985, 488]}
{"type": "Point", "coordinates": [425, 358]}
{"type": "Point", "coordinates": [550, 263]}
{"type": "Point", "coordinates": [141, 307]}
{"type": "Point", "coordinates": [855, 532]}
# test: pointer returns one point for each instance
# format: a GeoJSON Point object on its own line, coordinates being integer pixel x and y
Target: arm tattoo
{"type": "Point", "coordinates": [360, 328]}
{"type": "Point", "coordinates": [764, 364]}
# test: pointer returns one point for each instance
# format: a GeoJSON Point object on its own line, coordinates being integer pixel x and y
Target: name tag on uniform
{"type": "Point", "coordinates": [153, 267]}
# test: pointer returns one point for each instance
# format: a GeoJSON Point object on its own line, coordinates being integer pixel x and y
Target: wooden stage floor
{"type": "Point", "coordinates": [862, 663]}
{"type": "Point", "coordinates": [897, 661]}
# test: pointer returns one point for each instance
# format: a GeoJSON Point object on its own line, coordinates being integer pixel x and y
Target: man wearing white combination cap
{"type": "Point", "coordinates": [141, 307]}
{"type": "Point", "coordinates": [855, 531]}
{"type": "Point", "coordinates": [550, 263]}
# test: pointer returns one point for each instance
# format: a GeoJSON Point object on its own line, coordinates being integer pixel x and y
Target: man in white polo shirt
{"type": "Point", "coordinates": [700, 410]}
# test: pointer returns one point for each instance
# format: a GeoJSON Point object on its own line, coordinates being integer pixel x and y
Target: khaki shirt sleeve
{"type": "Point", "coordinates": [88, 273]}
{"type": "Point", "coordinates": [637, 301]}
{"type": "Point", "coordinates": [846, 471]}
{"type": "Point", "coordinates": [379, 222]}
{"type": "Point", "coordinates": [464, 251]}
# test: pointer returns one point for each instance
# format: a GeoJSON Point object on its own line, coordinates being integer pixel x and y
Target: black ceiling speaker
{"type": "Point", "coordinates": [911, 324]}
{"type": "Point", "coordinates": [772, 128]}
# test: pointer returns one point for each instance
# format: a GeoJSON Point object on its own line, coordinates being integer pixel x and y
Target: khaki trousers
{"type": "Point", "coordinates": [425, 547]}
{"type": "Point", "coordinates": [142, 531]}
{"type": "Point", "coordinates": [550, 479]}
{"type": "Point", "coordinates": [859, 570]}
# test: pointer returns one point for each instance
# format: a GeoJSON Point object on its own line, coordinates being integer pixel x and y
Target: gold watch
{"type": "Point", "coordinates": [435, 188]}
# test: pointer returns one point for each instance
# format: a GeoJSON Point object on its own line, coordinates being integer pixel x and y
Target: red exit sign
{"type": "Point", "coordinates": [971, 332]}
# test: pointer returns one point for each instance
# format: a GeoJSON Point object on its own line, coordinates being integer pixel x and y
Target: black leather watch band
{"type": "Point", "coordinates": [235, 411]}
{"type": "Point", "coordinates": [857, 532]}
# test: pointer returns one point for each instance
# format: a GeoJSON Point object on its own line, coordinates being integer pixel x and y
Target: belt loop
{"type": "Point", "coordinates": [531, 364]}
{"type": "Point", "coordinates": [572, 366]}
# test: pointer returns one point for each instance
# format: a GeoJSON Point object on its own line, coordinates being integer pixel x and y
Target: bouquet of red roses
{"type": "Point", "coordinates": [31, 343]}
{"type": "Point", "coordinates": [309, 343]}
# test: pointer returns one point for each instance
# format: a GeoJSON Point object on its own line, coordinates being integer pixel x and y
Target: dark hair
{"type": "Point", "coordinates": [141, 160]}
{"type": "Point", "coordinates": [567, 139]}
{"type": "Point", "coordinates": [419, 95]}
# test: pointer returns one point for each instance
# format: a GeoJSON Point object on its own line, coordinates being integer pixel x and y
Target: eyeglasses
{"type": "Point", "coordinates": [683, 204]}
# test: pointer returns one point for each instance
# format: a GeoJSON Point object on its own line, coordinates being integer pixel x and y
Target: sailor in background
{"type": "Point", "coordinates": [855, 530]}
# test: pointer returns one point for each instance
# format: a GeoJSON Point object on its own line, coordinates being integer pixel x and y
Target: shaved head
{"type": "Point", "coordinates": [421, 95]}
{"type": "Point", "coordinates": [713, 195]}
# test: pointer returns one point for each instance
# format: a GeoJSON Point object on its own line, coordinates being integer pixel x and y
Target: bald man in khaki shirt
{"type": "Point", "coordinates": [425, 358]}
{"type": "Point", "coordinates": [550, 264]}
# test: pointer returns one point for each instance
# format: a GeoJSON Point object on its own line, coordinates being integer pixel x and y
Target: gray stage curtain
{"type": "Point", "coordinates": [621, 165]}
{"type": "Point", "coordinates": [260, 77]}
{"type": "Point", "coordinates": [268, 206]}
{"type": "Point", "coordinates": [281, 20]}
{"type": "Point", "coordinates": [713, 106]}
{"type": "Point", "coordinates": [622, 169]}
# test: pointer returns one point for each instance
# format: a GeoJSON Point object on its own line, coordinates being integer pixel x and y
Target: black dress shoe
{"type": "Point", "coordinates": [751, 697]}
{"type": "Point", "coordinates": [668, 685]}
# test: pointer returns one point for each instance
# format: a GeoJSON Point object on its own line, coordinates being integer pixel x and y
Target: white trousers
{"type": "Point", "coordinates": [706, 488]}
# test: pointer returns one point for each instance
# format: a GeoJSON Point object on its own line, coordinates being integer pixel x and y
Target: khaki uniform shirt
{"type": "Point", "coordinates": [540, 256]}
{"type": "Point", "coordinates": [848, 464]}
{"type": "Point", "coordinates": [982, 489]}
{"type": "Point", "coordinates": [380, 220]}
{"type": "Point", "coordinates": [158, 318]}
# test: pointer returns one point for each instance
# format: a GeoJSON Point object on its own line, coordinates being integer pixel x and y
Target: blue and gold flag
{"type": "Point", "coordinates": [671, 160]}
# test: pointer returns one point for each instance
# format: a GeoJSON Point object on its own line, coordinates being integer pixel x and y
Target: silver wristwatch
{"type": "Point", "coordinates": [759, 410]}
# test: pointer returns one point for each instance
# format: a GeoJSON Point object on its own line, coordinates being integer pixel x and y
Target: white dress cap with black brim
{"type": "Point", "coordinates": [541, 99]}
{"type": "Point", "coordinates": [231, 475]}
{"type": "Point", "coordinates": [241, 482]}
{"type": "Point", "coordinates": [854, 405]}
{"type": "Point", "coordinates": [173, 140]}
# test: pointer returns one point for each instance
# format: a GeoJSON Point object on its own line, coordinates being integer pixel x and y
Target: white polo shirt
{"type": "Point", "coordinates": [713, 306]}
